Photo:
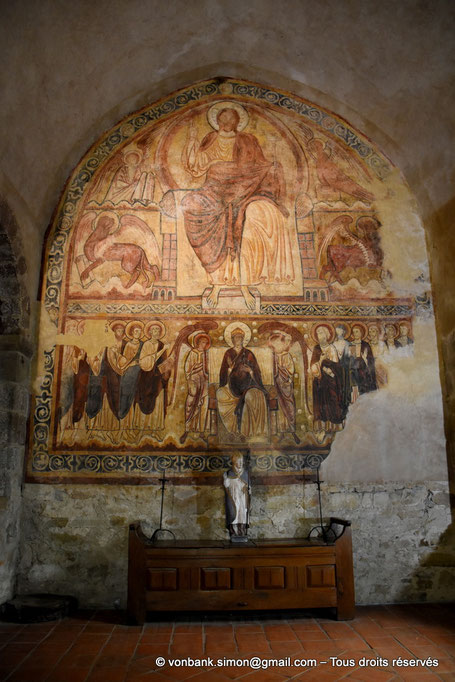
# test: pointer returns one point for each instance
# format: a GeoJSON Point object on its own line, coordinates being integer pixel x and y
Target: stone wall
{"type": "Point", "coordinates": [15, 354]}
{"type": "Point", "coordinates": [75, 537]}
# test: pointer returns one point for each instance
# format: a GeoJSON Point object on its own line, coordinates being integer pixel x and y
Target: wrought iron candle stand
{"type": "Point", "coordinates": [155, 537]}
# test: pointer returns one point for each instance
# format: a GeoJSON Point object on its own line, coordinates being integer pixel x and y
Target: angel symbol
{"type": "Point", "coordinates": [331, 176]}
{"type": "Point", "coordinates": [281, 338]}
{"type": "Point", "coordinates": [196, 370]}
{"type": "Point", "coordinates": [105, 239]}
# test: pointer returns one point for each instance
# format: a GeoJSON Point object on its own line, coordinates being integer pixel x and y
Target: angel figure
{"type": "Point", "coordinates": [197, 339]}
{"type": "Point", "coordinates": [281, 338]}
{"type": "Point", "coordinates": [197, 377]}
{"type": "Point", "coordinates": [327, 157]}
{"type": "Point", "coordinates": [128, 178]}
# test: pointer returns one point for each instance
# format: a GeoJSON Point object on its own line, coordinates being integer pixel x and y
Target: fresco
{"type": "Point", "coordinates": [214, 279]}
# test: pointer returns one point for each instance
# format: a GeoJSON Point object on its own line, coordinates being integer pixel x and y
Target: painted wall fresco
{"type": "Point", "coordinates": [215, 280]}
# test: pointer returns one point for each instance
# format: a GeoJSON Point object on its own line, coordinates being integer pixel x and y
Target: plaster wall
{"type": "Point", "coordinates": [388, 69]}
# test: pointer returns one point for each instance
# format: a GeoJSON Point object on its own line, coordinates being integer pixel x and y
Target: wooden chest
{"type": "Point", "coordinates": [261, 574]}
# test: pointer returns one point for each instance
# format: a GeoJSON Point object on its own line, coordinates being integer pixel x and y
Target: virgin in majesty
{"type": "Point", "coordinates": [236, 222]}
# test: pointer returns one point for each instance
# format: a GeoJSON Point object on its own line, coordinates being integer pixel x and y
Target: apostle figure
{"type": "Point", "coordinates": [236, 222]}
{"type": "Point", "coordinates": [242, 398]}
{"type": "Point", "coordinates": [363, 370]}
{"type": "Point", "coordinates": [104, 388]}
{"type": "Point", "coordinates": [151, 392]}
{"type": "Point", "coordinates": [403, 339]}
{"type": "Point", "coordinates": [378, 348]}
{"type": "Point", "coordinates": [283, 379]}
{"type": "Point", "coordinates": [197, 377]}
{"type": "Point", "coordinates": [74, 385]}
{"type": "Point", "coordinates": [329, 410]}
{"type": "Point", "coordinates": [390, 339]}
{"type": "Point", "coordinates": [237, 496]}
{"type": "Point", "coordinates": [129, 365]}
{"type": "Point", "coordinates": [343, 348]}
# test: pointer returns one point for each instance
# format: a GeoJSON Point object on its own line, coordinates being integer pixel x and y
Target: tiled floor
{"type": "Point", "coordinates": [98, 647]}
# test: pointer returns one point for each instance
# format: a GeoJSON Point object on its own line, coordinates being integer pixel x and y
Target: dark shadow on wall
{"type": "Point", "coordinates": [441, 251]}
{"type": "Point", "coordinates": [434, 579]}
{"type": "Point", "coordinates": [15, 355]}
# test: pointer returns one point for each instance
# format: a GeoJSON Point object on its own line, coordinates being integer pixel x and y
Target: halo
{"type": "Point", "coordinates": [326, 325]}
{"type": "Point", "coordinates": [226, 104]}
{"type": "Point", "coordinates": [391, 324]}
{"type": "Point", "coordinates": [130, 325]}
{"type": "Point", "coordinates": [107, 214]}
{"type": "Point", "coordinates": [234, 325]}
{"type": "Point", "coordinates": [377, 325]}
{"type": "Point", "coordinates": [404, 323]}
{"type": "Point", "coordinates": [345, 326]}
{"type": "Point", "coordinates": [195, 335]}
{"type": "Point", "coordinates": [116, 323]}
{"type": "Point", "coordinates": [362, 326]}
{"type": "Point", "coordinates": [154, 323]}
{"type": "Point", "coordinates": [286, 336]}
{"type": "Point", "coordinates": [128, 152]}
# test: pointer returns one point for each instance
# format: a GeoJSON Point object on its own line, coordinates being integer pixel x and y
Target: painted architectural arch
{"type": "Point", "coordinates": [215, 279]}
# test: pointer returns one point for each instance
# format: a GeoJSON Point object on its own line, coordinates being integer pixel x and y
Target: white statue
{"type": "Point", "coordinates": [237, 489]}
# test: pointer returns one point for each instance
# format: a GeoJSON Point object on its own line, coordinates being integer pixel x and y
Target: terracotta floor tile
{"type": "Point", "coordinates": [181, 673]}
{"type": "Point", "coordinates": [183, 629]}
{"type": "Point", "coordinates": [221, 651]}
{"type": "Point", "coordinates": [128, 629]}
{"type": "Point", "coordinates": [209, 675]}
{"type": "Point", "coordinates": [114, 674]}
{"type": "Point", "coordinates": [318, 675]}
{"type": "Point", "coordinates": [234, 672]}
{"type": "Point", "coordinates": [367, 626]}
{"type": "Point", "coordinates": [312, 636]}
{"type": "Point", "coordinates": [29, 674]}
{"type": "Point", "coordinates": [305, 627]}
{"type": "Point", "coordinates": [283, 649]}
{"type": "Point", "coordinates": [409, 637]}
{"type": "Point", "coordinates": [383, 641]}
{"type": "Point", "coordinates": [214, 638]}
{"type": "Point", "coordinates": [391, 651]}
{"type": "Point", "coordinates": [248, 629]}
{"type": "Point", "coordinates": [416, 675]}
{"type": "Point", "coordinates": [445, 665]}
{"type": "Point", "coordinates": [158, 627]}
{"type": "Point", "coordinates": [78, 660]}
{"type": "Point", "coordinates": [253, 650]}
{"type": "Point", "coordinates": [337, 630]}
{"type": "Point", "coordinates": [99, 628]}
{"type": "Point", "coordinates": [151, 650]}
{"type": "Point", "coordinates": [111, 661]}
{"type": "Point", "coordinates": [328, 647]}
{"type": "Point", "coordinates": [279, 633]}
{"type": "Point", "coordinates": [155, 637]}
{"type": "Point", "coordinates": [371, 675]}
{"type": "Point", "coordinates": [264, 676]}
{"type": "Point", "coordinates": [219, 630]}
{"type": "Point", "coordinates": [429, 650]}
